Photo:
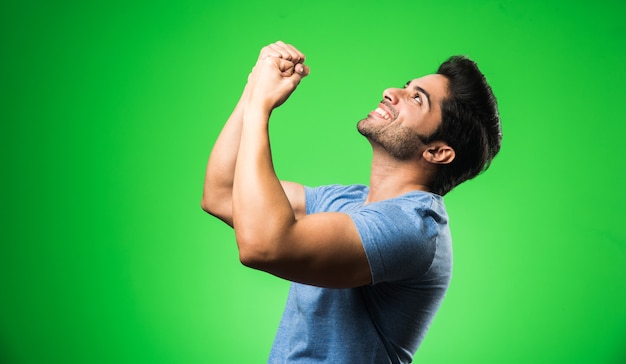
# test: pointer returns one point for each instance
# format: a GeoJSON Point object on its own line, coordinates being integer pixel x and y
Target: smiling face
{"type": "Point", "coordinates": [406, 116]}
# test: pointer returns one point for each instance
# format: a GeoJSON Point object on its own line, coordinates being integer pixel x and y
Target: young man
{"type": "Point", "coordinates": [369, 265]}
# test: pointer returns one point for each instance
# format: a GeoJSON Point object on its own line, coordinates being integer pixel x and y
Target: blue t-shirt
{"type": "Point", "coordinates": [408, 246]}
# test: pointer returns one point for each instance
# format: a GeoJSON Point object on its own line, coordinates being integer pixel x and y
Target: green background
{"type": "Point", "coordinates": [110, 109]}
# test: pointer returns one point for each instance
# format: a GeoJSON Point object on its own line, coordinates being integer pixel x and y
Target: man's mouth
{"type": "Point", "coordinates": [385, 115]}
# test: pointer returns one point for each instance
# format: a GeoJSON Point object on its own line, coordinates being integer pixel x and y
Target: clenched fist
{"type": "Point", "coordinates": [278, 71]}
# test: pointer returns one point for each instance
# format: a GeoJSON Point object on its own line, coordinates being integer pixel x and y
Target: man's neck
{"type": "Point", "coordinates": [391, 178]}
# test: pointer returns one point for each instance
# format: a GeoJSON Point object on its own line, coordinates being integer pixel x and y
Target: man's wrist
{"type": "Point", "coordinates": [257, 111]}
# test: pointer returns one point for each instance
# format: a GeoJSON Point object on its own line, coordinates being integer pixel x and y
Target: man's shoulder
{"type": "Point", "coordinates": [335, 197]}
{"type": "Point", "coordinates": [340, 188]}
{"type": "Point", "coordinates": [414, 202]}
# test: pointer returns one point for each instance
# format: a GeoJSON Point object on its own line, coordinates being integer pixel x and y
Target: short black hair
{"type": "Point", "coordinates": [470, 124]}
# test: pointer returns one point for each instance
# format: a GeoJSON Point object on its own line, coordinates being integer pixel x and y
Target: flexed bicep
{"type": "Point", "coordinates": [322, 249]}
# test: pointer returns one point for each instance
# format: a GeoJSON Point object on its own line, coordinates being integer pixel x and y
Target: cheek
{"type": "Point", "coordinates": [430, 123]}
{"type": "Point", "coordinates": [417, 120]}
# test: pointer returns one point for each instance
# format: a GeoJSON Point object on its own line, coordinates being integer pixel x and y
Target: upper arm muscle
{"type": "Point", "coordinates": [222, 208]}
{"type": "Point", "coordinates": [322, 249]}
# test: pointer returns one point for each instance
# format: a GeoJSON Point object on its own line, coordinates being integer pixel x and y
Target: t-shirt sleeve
{"type": "Point", "coordinates": [335, 198]}
{"type": "Point", "coordinates": [313, 196]}
{"type": "Point", "coordinates": [399, 244]}
{"type": "Point", "coordinates": [399, 237]}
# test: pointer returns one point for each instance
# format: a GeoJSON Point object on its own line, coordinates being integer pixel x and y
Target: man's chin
{"type": "Point", "coordinates": [363, 128]}
{"type": "Point", "coordinates": [367, 126]}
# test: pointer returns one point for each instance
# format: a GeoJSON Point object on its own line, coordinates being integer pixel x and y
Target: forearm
{"type": "Point", "coordinates": [262, 213]}
{"type": "Point", "coordinates": [241, 187]}
{"type": "Point", "coordinates": [220, 171]}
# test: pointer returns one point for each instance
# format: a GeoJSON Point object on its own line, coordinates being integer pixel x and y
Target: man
{"type": "Point", "coordinates": [369, 265]}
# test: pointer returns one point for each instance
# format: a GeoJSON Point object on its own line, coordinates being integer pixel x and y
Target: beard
{"type": "Point", "coordinates": [399, 141]}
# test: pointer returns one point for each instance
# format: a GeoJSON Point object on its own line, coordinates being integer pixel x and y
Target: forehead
{"type": "Point", "coordinates": [436, 85]}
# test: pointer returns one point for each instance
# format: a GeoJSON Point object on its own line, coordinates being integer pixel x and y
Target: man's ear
{"type": "Point", "coordinates": [439, 153]}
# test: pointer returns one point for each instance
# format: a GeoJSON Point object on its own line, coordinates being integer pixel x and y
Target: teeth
{"type": "Point", "coordinates": [382, 113]}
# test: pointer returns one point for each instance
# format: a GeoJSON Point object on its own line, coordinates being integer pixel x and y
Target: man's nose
{"type": "Point", "coordinates": [392, 95]}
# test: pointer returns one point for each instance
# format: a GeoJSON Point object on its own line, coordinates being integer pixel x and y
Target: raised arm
{"type": "Point", "coordinates": [220, 171]}
{"type": "Point", "coordinates": [319, 249]}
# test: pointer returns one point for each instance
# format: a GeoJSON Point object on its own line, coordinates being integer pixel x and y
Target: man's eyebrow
{"type": "Point", "coordinates": [420, 89]}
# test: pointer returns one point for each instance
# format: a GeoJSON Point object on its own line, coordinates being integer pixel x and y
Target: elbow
{"type": "Point", "coordinates": [217, 206]}
{"type": "Point", "coordinates": [250, 260]}
{"type": "Point", "coordinates": [255, 253]}
{"type": "Point", "coordinates": [253, 259]}
{"type": "Point", "coordinates": [208, 206]}
{"type": "Point", "coordinates": [205, 204]}
{"type": "Point", "coordinates": [263, 245]}
{"type": "Point", "coordinates": [214, 198]}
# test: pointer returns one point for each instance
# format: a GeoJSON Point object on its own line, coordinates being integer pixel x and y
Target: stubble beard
{"type": "Point", "coordinates": [399, 141]}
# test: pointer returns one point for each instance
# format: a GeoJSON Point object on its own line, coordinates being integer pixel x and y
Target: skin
{"type": "Point", "coordinates": [273, 232]}
{"type": "Point", "coordinates": [407, 115]}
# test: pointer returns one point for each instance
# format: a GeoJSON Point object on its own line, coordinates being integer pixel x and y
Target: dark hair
{"type": "Point", "coordinates": [470, 124]}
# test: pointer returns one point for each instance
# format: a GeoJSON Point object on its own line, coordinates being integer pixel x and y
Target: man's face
{"type": "Point", "coordinates": [406, 115]}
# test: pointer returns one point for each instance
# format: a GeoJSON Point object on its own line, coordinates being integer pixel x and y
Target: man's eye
{"type": "Point", "coordinates": [418, 98]}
